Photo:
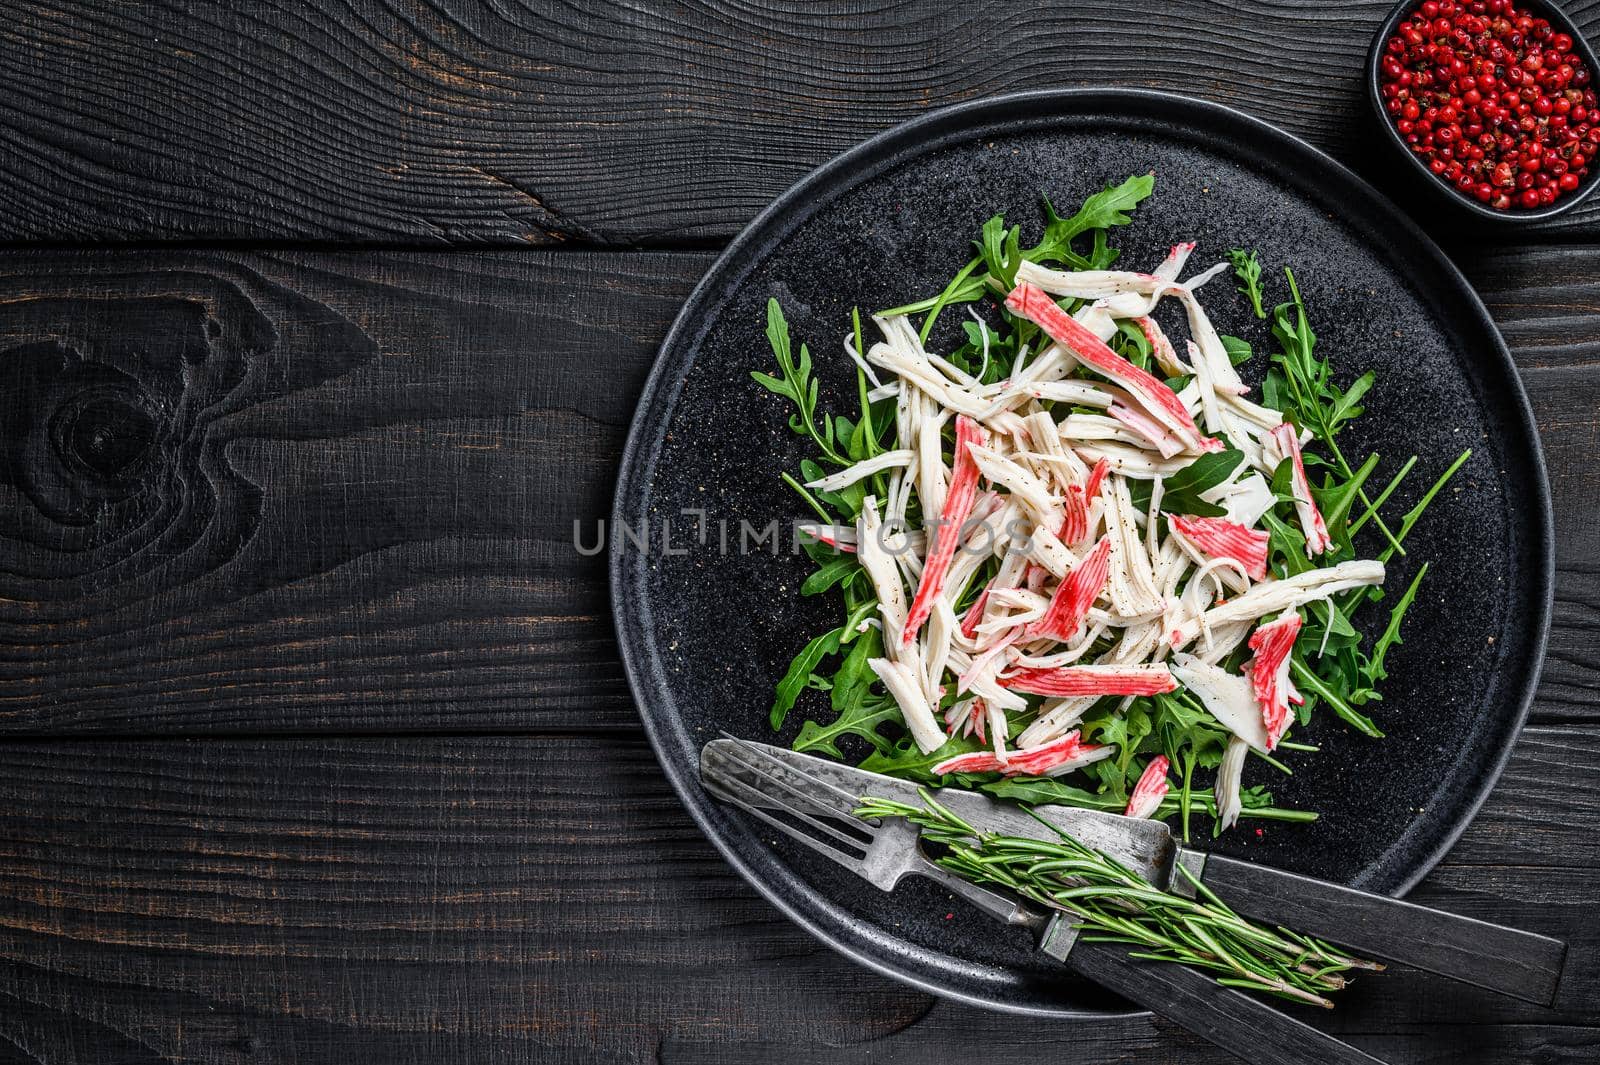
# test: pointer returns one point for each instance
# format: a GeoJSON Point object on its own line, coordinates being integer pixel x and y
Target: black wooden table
{"type": "Point", "coordinates": [322, 324]}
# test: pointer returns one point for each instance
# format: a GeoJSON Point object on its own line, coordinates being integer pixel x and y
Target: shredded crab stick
{"type": "Point", "coordinates": [1226, 695]}
{"type": "Point", "coordinates": [1075, 526]}
{"type": "Point", "coordinates": [958, 501]}
{"type": "Point", "coordinates": [1076, 502]}
{"type": "Point", "coordinates": [1091, 680]}
{"type": "Point", "coordinates": [1151, 789]}
{"type": "Point", "coordinates": [1285, 444]}
{"type": "Point", "coordinates": [1269, 674]}
{"type": "Point", "coordinates": [1092, 488]}
{"type": "Point", "coordinates": [866, 468]}
{"type": "Point", "coordinates": [1221, 538]}
{"type": "Point", "coordinates": [1270, 597]}
{"type": "Point", "coordinates": [1151, 430]}
{"type": "Point", "coordinates": [969, 623]}
{"type": "Point", "coordinates": [1161, 402]}
{"type": "Point", "coordinates": [1057, 516]}
{"type": "Point", "coordinates": [1073, 597]}
{"type": "Point", "coordinates": [1050, 759]}
{"type": "Point", "coordinates": [1229, 776]}
{"type": "Point", "coordinates": [838, 537]}
{"type": "Point", "coordinates": [906, 687]}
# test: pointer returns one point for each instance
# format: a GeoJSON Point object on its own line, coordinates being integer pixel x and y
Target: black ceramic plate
{"type": "Point", "coordinates": [705, 633]}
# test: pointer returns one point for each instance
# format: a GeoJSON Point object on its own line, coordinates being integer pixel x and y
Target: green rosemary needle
{"type": "Point", "coordinates": [1111, 903]}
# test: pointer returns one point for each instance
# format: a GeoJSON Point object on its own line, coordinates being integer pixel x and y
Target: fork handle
{"type": "Point", "coordinates": [1507, 960]}
{"type": "Point", "coordinates": [1230, 1018]}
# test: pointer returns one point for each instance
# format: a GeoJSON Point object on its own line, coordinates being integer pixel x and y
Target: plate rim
{"type": "Point", "coordinates": [792, 208]}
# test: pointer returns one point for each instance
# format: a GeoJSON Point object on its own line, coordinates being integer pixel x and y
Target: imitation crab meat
{"type": "Point", "coordinates": [1151, 789]}
{"type": "Point", "coordinates": [1048, 760]}
{"type": "Point", "coordinates": [1269, 673]}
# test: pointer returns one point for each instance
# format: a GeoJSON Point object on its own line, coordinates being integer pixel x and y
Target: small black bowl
{"type": "Point", "coordinates": [1443, 189]}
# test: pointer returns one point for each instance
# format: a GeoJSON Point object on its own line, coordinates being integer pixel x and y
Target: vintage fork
{"type": "Point", "coordinates": [818, 814]}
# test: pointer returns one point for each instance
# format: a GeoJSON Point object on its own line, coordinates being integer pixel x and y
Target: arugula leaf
{"type": "Point", "coordinates": [857, 713]}
{"type": "Point", "coordinates": [1286, 544]}
{"type": "Point", "coordinates": [863, 719]}
{"type": "Point", "coordinates": [906, 760]}
{"type": "Point", "coordinates": [1181, 722]}
{"type": "Point", "coordinates": [1334, 501]}
{"type": "Point", "coordinates": [1134, 344]}
{"type": "Point", "coordinates": [1411, 516]}
{"type": "Point", "coordinates": [1391, 634]}
{"type": "Point", "coordinates": [1383, 496]}
{"type": "Point", "coordinates": [798, 677]}
{"type": "Point", "coordinates": [855, 675]}
{"type": "Point", "coordinates": [957, 291]}
{"type": "Point", "coordinates": [1106, 208]}
{"type": "Point", "coordinates": [1238, 350]}
{"type": "Point", "coordinates": [1183, 489]}
{"type": "Point", "coordinates": [1275, 391]}
{"type": "Point", "coordinates": [830, 574]}
{"type": "Point", "coordinates": [1000, 253]}
{"type": "Point", "coordinates": [999, 249]}
{"type": "Point", "coordinates": [1002, 350]}
{"type": "Point", "coordinates": [1306, 391]}
{"type": "Point", "coordinates": [797, 385]}
{"type": "Point", "coordinates": [1102, 254]}
{"type": "Point", "coordinates": [1247, 268]}
{"type": "Point", "coordinates": [1313, 684]}
{"type": "Point", "coordinates": [1048, 791]}
{"type": "Point", "coordinates": [1123, 729]}
{"type": "Point", "coordinates": [1346, 404]}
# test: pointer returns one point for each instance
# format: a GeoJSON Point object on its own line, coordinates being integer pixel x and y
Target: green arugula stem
{"type": "Point", "coordinates": [810, 499]}
{"type": "Point", "coordinates": [1349, 714]}
{"type": "Point", "coordinates": [946, 297]}
{"type": "Point", "coordinates": [1383, 496]}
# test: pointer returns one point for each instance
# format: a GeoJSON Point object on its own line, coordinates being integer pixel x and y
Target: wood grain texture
{"type": "Point", "coordinates": [478, 121]}
{"type": "Point", "coordinates": [1546, 301]}
{"type": "Point", "coordinates": [352, 508]}
{"type": "Point", "coordinates": [496, 899]}
{"type": "Point", "coordinates": [280, 492]}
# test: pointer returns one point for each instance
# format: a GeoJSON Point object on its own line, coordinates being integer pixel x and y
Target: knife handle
{"type": "Point", "coordinates": [1230, 1018]}
{"type": "Point", "coordinates": [1511, 962]}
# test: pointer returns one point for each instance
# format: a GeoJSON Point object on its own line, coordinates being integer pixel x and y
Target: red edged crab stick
{"type": "Point", "coordinates": [1050, 759]}
{"type": "Point", "coordinates": [1077, 501]}
{"type": "Point", "coordinates": [1221, 538]}
{"type": "Point", "coordinates": [1073, 597]}
{"type": "Point", "coordinates": [1285, 444]}
{"type": "Point", "coordinates": [958, 501]}
{"type": "Point", "coordinates": [1159, 401]}
{"type": "Point", "coordinates": [1151, 789]}
{"type": "Point", "coordinates": [1091, 680]}
{"type": "Point", "coordinates": [1269, 673]}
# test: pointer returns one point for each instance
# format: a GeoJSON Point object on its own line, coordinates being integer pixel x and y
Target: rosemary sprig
{"type": "Point", "coordinates": [1111, 903]}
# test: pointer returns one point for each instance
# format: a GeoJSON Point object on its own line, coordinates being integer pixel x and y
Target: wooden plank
{"type": "Point", "coordinates": [332, 491]}
{"type": "Point", "coordinates": [495, 899]}
{"type": "Point", "coordinates": [467, 121]}
{"type": "Point", "coordinates": [359, 512]}
{"type": "Point", "coordinates": [1546, 301]}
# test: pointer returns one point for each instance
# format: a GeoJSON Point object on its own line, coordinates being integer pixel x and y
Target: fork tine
{"type": "Point", "coordinates": [767, 798]}
{"type": "Point", "coordinates": [850, 861]}
{"type": "Point", "coordinates": [759, 767]}
{"type": "Point", "coordinates": [751, 754]}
